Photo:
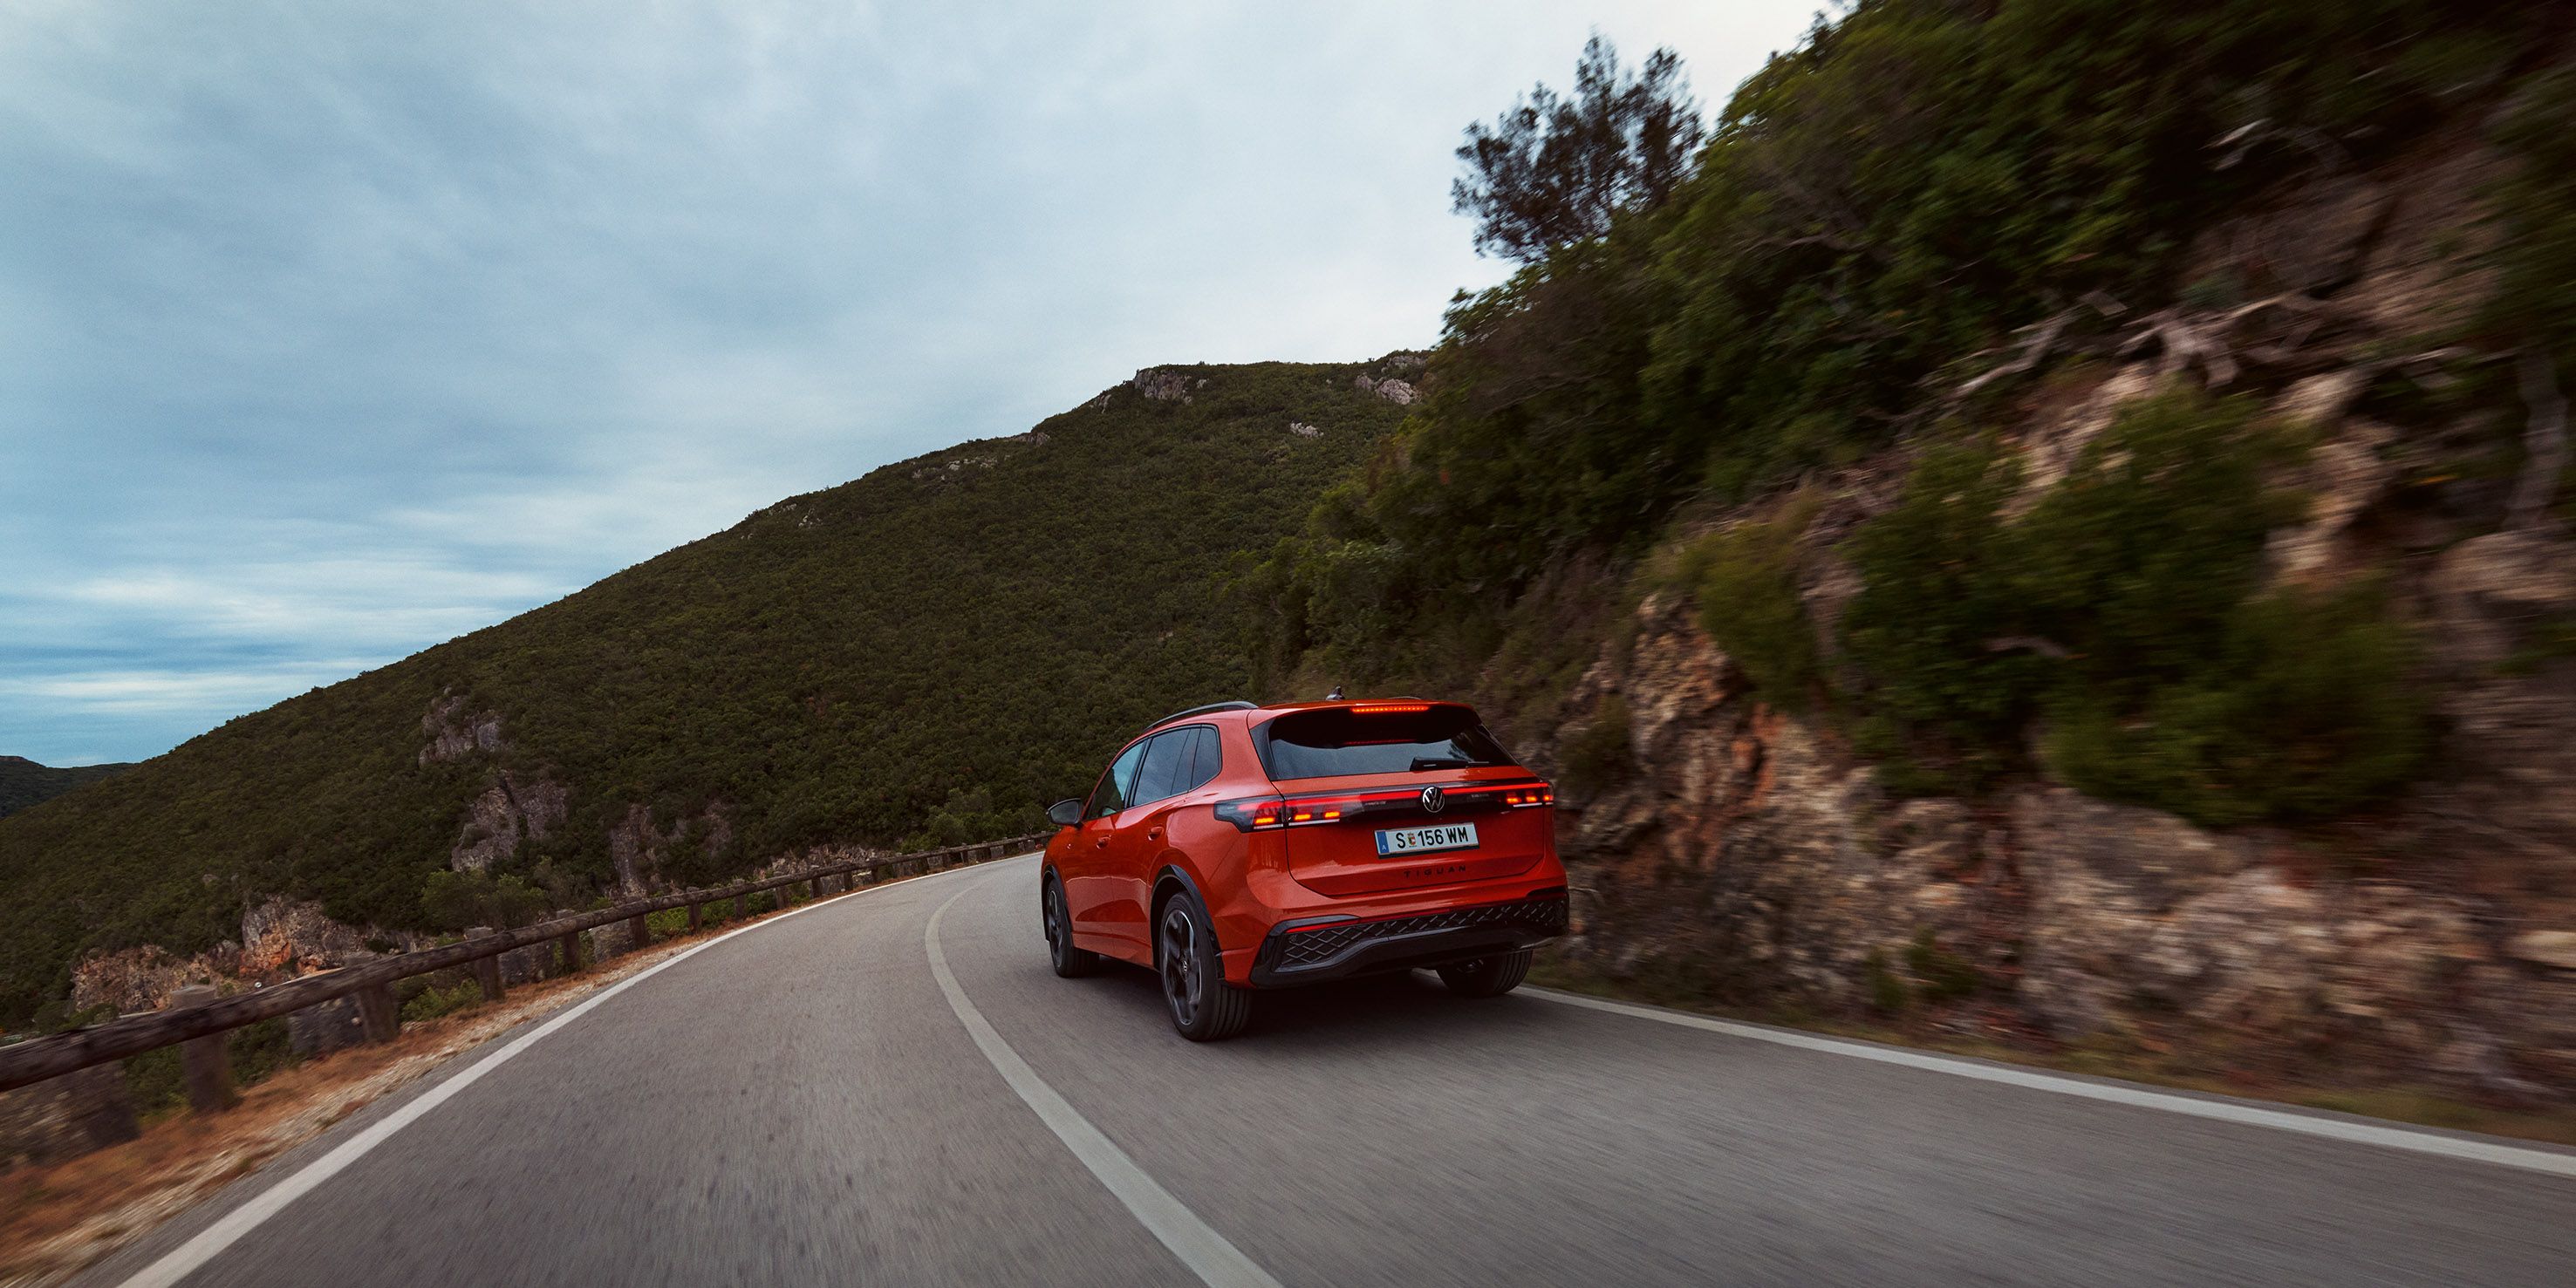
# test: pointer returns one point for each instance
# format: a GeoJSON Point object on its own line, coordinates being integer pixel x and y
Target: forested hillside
{"type": "Point", "coordinates": [932, 651]}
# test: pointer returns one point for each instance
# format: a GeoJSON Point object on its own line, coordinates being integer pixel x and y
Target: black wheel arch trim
{"type": "Point", "coordinates": [1173, 872]}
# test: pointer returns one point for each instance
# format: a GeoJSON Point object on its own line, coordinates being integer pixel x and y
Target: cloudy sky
{"type": "Point", "coordinates": [331, 330]}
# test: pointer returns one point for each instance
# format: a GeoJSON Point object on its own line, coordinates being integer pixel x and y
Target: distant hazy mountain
{"type": "Point", "coordinates": [23, 782]}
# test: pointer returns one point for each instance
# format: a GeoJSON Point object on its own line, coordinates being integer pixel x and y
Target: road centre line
{"type": "Point", "coordinates": [206, 1244]}
{"type": "Point", "coordinates": [1215, 1261]}
{"type": "Point", "coordinates": [2535, 1159]}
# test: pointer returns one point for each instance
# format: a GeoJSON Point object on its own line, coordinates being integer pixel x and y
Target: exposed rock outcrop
{"type": "Point", "coordinates": [506, 811]}
{"type": "Point", "coordinates": [636, 846]}
{"type": "Point", "coordinates": [455, 731]}
{"type": "Point", "coordinates": [1389, 388]}
{"type": "Point", "coordinates": [1163, 384]}
{"type": "Point", "coordinates": [283, 937]}
{"type": "Point", "coordinates": [1744, 857]}
{"type": "Point", "coordinates": [145, 978]}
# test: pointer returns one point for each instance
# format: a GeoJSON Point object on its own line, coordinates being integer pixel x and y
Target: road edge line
{"type": "Point", "coordinates": [2524, 1157]}
{"type": "Point", "coordinates": [230, 1228]}
{"type": "Point", "coordinates": [1215, 1261]}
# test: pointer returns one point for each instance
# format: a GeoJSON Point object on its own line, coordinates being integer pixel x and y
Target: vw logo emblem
{"type": "Point", "coordinates": [1432, 803]}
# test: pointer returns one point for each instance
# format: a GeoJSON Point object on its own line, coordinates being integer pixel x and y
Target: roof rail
{"type": "Point", "coordinates": [1200, 711]}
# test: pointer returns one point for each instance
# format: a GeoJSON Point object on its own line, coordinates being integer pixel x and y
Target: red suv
{"type": "Point", "coordinates": [1235, 847]}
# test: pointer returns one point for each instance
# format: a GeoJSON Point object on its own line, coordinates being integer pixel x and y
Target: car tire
{"type": "Point", "coordinates": [1488, 976]}
{"type": "Point", "coordinates": [1202, 1005]}
{"type": "Point", "coordinates": [1069, 962]}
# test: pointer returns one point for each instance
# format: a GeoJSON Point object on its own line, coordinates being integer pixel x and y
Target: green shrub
{"type": "Point", "coordinates": [1598, 755]}
{"type": "Point", "coordinates": [434, 999]}
{"type": "Point", "coordinates": [2535, 209]}
{"type": "Point", "coordinates": [1888, 993]}
{"type": "Point", "coordinates": [2123, 605]}
{"type": "Point", "coordinates": [2134, 563]}
{"type": "Point", "coordinates": [157, 1086]}
{"type": "Point", "coordinates": [1936, 700]}
{"type": "Point", "coordinates": [1946, 976]}
{"type": "Point", "coordinates": [1746, 582]}
{"type": "Point", "coordinates": [462, 900]}
{"type": "Point", "coordinates": [153, 1082]}
{"type": "Point", "coordinates": [2305, 710]}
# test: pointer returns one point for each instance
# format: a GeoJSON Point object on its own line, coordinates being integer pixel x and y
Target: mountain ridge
{"type": "Point", "coordinates": [928, 650]}
{"type": "Point", "coordinates": [24, 782]}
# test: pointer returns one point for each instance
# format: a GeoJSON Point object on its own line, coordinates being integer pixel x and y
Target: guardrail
{"type": "Point", "coordinates": [201, 1021]}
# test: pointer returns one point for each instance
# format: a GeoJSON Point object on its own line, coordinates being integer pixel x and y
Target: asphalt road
{"type": "Point", "coordinates": [803, 1102]}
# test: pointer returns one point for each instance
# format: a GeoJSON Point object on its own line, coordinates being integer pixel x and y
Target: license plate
{"type": "Point", "coordinates": [1426, 840]}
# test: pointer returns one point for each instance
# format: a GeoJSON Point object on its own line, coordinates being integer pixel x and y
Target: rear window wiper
{"type": "Point", "coordinates": [1421, 763]}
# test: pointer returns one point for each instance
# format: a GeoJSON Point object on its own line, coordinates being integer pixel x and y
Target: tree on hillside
{"type": "Point", "coordinates": [1552, 171]}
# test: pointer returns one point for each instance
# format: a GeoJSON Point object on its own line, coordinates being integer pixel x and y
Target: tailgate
{"type": "Point", "coordinates": [1371, 837]}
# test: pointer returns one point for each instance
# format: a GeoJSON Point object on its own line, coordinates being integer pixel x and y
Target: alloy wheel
{"type": "Point", "coordinates": [1055, 936]}
{"type": "Point", "coordinates": [1182, 983]}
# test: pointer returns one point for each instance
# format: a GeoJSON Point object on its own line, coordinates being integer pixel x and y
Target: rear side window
{"type": "Point", "coordinates": [1207, 758]}
{"type": "Point", "coordinates": [1166, 767]}
{"type": "Point", "coordinates": [1176, 761]}
{"type": "Point", "coordinates": [1111, 795]}
{"type": "Point", "coordinates": [1343, 740]}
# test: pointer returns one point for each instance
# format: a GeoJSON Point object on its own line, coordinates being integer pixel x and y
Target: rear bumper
{"type": "Point", "coordinates": [1312, 950]}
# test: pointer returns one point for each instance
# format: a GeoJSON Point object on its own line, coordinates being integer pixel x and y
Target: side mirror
{"type": "Point", "coordinates": [1067, 813]}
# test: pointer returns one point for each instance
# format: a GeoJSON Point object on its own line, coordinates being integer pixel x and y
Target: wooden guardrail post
{"type": "Point", "coordinates": [638, 935]}
{"type": "Point", "coordinates": [378, 1015]}
{"type": "Point", "coordinates": [569, 945]}
{"type": "Point", "coordinates": [487, 970]}
{"type": "Point", "coordinates": [205, 1063]}
{"type": "Point", "coordinates": [741, 906]}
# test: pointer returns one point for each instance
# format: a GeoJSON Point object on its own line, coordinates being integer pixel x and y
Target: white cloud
{"type": "Point", "coordinates": [134, 692]}
{"type": "Point", "coordinates": [336, 331]}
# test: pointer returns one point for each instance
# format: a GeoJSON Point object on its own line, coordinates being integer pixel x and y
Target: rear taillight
{"type": "Point", "coordinates": [1524, 797]}
{"type": "Point", "coordinates": [1261, 813]}
{"type": "Point", "coordinates": [1254, 813]}
{"type": "Point", "coordinates": [1314, 810]}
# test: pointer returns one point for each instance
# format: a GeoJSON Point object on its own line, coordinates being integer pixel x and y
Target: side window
{"type": "Point", "coordinates": [1167, 764]}
{"type": "Point", "coordinates": [1112, 793]}
{"type": "Point", "coordinates": [1208, 758]}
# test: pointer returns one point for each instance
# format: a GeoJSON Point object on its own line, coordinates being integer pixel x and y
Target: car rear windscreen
{"type": "Point", "coordinates": [1334, 741]}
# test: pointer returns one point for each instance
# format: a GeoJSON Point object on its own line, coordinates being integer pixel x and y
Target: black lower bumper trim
{"type": "Point", "coordinates": [1317, 951]}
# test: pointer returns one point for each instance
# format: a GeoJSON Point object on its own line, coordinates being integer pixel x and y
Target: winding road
{"type": "Point", "coordinates": [890, 1087]}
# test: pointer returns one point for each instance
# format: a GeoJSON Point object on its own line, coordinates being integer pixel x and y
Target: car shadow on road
{"type": "Point", "coordinates": [1398, 1007]}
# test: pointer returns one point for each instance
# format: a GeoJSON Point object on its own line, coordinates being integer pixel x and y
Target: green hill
{"type": "Point", "coordinates": [23, 782]}
{"type": "Point", "coordinates": [937, 648]}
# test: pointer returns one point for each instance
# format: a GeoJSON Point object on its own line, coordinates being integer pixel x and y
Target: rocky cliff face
{"type": "Point", "coordinates": [1745, 857]}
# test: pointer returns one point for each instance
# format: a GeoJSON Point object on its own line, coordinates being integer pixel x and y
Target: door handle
{"type": "Point", "coordinates": [1101, 844]}
{"type": "Point", "coordinates": [1154, 834]}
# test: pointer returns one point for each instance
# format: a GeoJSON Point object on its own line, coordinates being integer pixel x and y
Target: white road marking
{"type": "Point", "coordinates": [1216, 1262]}
{"type": "Point", "coordinates": [2547, 1161]}
{"type": "Point", "coordinates": [182, 1261]}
